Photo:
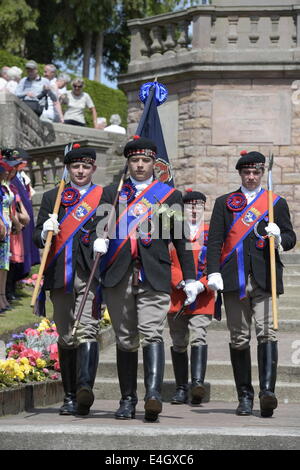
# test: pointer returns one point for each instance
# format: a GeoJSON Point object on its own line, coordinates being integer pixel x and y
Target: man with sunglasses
{"type": "Point", "coordinates": [238, 262]}
{"type": "Point", "coordinates": [77, 101]}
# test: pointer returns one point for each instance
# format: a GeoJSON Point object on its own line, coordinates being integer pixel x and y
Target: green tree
{"type": "Point", "coordinates": [39, 42]}
{"type": "Point", "coordinates": [16, 19]}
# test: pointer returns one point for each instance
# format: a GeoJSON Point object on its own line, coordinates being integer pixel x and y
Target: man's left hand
{"type": "Point", "coordinates": [192, 289]}
{"type": "Point", "coordinates": [274, 231]}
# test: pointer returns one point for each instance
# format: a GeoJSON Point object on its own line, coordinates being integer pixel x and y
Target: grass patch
{"type": "Point", "coordinates": [21, 315]}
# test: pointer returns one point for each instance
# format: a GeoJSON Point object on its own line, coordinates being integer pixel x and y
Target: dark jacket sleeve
{"type": "Point", "coordinates": [216, 236]}
{"type": "Point", "coordinates": [283, 219]}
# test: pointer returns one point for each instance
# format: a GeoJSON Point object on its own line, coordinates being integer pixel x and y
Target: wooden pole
{"type": "Point", "coordinates": [272, 248]}
{"type": "Point", "coordinates": [47, 246]}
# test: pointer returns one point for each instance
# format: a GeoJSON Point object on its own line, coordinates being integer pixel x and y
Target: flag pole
{"type": "Point", "coordinates": [272, 245]}
{"type": "Point", "coordinates": [48, 240]}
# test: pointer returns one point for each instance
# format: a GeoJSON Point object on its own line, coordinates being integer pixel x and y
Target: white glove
{"type": "Point", "coordinates": [191, 289]}
{"type": "Point", "coordinates": [50, 224]}
{"type": "Point", "coordinates": [200, 287]}
{"type": "Point", "coordinates": [101, 245]}
{"type": "Point", "coordinates": [215, 281]}
{"type": "Point", "coordinates": [274, 231]}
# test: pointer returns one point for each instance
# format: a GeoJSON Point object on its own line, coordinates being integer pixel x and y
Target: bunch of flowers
{"type": "Point", "coordinates": [31, 356]}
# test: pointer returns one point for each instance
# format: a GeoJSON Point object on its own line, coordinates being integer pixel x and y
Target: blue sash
{"type": "Point", "coordinates": [134, 214]}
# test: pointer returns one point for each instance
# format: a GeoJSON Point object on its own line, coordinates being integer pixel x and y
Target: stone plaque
{"type": "Point", "coordinates": [251, 117]}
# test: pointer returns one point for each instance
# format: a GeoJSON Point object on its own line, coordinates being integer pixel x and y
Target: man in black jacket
{"type": "Point", "coordinates": [136, 274]}
{"type": "Point", "coordinates": [67, 270]}
{"type": "Point", "coordinates": [239, 265]}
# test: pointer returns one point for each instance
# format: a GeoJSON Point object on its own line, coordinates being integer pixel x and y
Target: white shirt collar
{"type": "Point", "coordinates": [250, 193]}
{"type": "Point", "coordinates": [141, 185]}
{"type": "Point", "coordinates": [81, 189]}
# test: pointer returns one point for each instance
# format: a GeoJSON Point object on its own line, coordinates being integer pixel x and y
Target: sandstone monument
{"type": "Point", "coordinates": [232, 71]}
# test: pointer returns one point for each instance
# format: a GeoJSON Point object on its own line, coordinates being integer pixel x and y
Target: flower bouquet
{"type": "Point", "coordinates": [31, 356]}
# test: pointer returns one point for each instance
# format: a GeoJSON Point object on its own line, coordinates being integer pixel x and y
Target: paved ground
{"type": "Point", "coordinates": [210, 426]}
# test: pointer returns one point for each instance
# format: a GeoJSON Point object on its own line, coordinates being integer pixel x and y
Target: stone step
{"type": "Point", "coordinates": [292, 279]}
{"type": "Point", "coordinates": [291, 269]}
{"type": "Point", "coordinates": [287, 325]}
{"type": "Point", "coordinates": [290, 258]}
{"type": "Point", "coordinates": [289, 302]}
{"type": "Point", "coordinates": [291, 291]}
{"type": "Point", "coordinates": [216, 390]}
{"type": "Point", "coordinates": [212, 426]}
{"type": "Point", "coordinates": [215, 370]}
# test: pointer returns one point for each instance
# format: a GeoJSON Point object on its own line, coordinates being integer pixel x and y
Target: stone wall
{"type": "Point", "coordinates": [232, 74]}
{"type": "Point", "coordinates": [45, 143]}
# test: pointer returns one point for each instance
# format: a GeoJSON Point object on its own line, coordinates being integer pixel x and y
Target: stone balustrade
{"type": "Point", "coordinates": [217, 34]}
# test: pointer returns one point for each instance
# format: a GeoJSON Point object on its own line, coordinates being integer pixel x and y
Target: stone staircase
{"type": "Point", "coordinates": [211, 426]}
{"type": "Point", "coordinates": [219, 378]}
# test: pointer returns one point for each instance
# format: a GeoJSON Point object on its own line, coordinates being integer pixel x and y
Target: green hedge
{"type": "Point", "coordinates": [107, 100]}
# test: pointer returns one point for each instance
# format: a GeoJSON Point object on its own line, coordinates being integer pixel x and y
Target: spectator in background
{"type": "Point", "coordinates": [14, 75]}
{"type": "Point", "coordinates": [101, 123]}
{"type": "Point", "coordinates": [62, 81]}
{"type": "Point", "coordinates": [115, 122]}
{"type": "Point", "coordinates": [33, 89]}
{"type": "Point", "coordinates": [7, 198]}
{"type": "Point", "coordinates": [53, 113]}
{"type": "Point", "coordinates": [3, 77]}
{"type": "Point", "coordinates": [77, 101]}
{"type": "Point", "coordinates": [21, 182]}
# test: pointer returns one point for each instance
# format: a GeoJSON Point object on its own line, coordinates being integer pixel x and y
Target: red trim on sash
{"type": "Point", "coordinates": [71, 223]}
{"type": "Point", "coordinates": [243, 225]}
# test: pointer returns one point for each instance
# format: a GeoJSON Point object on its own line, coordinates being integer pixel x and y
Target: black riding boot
{"type": "Point", "coordinates": [87, 364]}
{"type": "Point", "coordinates": [198, 370]}
{"type": "Point", "coordinates": [67, 361]}
{"type": "Point", "coordinates": [267, 357]}
{"type": "Point", "coordinates": [154, 362]}
{"type": "Point", "coordinates": [241, 364]}
{"type": "Point", "coordinates": [180, 362]}
{"type": "Point", "coordinates": [127, 363]}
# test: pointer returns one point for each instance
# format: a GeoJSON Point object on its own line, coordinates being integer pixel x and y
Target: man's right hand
{"type": "Point", "coordinates": [101, 246]}
{"type": "Point", "coordinates": [215, 281]}
{"type": "Point", "coordinates": [50, 225]}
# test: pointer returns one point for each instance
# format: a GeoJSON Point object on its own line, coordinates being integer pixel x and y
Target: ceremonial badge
{"type": "Point", "coordinates": [251, 216]}
{"type": "Point", "coordinates": [127, 193]}
{"type": "Point", "coordinates": [162, 170]}
{"type": "Point", "coordinates": [82, 211]}
{"type": "Point", "coordinates": [236, 202]}
{"type": "Point", "coordinates": [69, 197]}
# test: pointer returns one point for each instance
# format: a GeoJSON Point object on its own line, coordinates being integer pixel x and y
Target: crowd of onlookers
{"type": "Point", "coordinates": [17, 251]}
{"type": "Point", "coordinates": [50, 99]}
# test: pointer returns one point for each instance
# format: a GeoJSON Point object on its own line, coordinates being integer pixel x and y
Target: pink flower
{"type": "Point", "coordinates": [57, 366]}
{"type": "Point", "coordinates": [53, 349]}
{"type": "Point", "coordinates": [31, 332]}
{"type": "Point", "coordinates": [32, 355]}
{"type": "Point", "coordinates": [34, 277]}
{"type": "Point", "coordinates": [54, 376]}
